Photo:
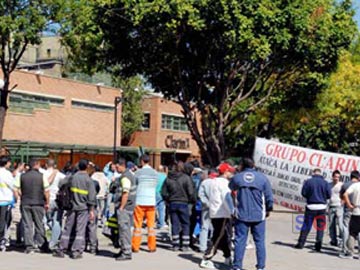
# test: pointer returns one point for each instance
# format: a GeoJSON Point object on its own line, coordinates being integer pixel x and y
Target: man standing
{"type": "Point", "coordinates": [346, 252]}
{"type": "Point", "coordinates": [316, 191]}
{"type": "Point", "coordinates": [353, 203]}
{"type": "Point", "coordinates": [336, 209]}
{"type": "Point", "coordinates": [124, 200]}
{"type": "Point", "coordinates": [204, 195]}
{"type": "Point", "coordinates": [84, 201]}
{"type": "Point", "coordinates": [6, 198]}
{"type": "Point", "coordinates": [160, 203]}
{"type": "Point", "coordinates": [221, 209]}
{"type": "Point", "coordinates": [33, 190]}
{"type": "Point", "coordinates": [255, 202]}
{"type": "Point", "coordinates": [146, 179]}
{"type": "Point", "coordinates": [55, 215]}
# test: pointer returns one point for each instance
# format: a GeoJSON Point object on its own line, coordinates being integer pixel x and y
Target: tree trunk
{"type": "Point", "coordinates": [3, 106]}
{"type": "Point", "coordinates": [2, 122]}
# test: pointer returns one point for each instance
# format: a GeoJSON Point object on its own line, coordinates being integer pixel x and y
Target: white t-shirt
{"type": "Point", "coordinates": [335, 195]}
{"type": "Point", "coordinates": [220, 201]}
{"type": "Point", "coordinates": [54, 186]}
{"type": "Point", "coordinates": [354, 191]}
{"type": "Point", "coordinates": [6, 186]}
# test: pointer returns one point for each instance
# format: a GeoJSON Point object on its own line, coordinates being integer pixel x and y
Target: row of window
{"type": "Point", "coordinates": [30, 99]}
{"type": "Point", "coordinates": [169, 122]}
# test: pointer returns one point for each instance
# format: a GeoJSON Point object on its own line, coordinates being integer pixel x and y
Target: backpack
{"type": "Point", "coordinates": [64, 197]}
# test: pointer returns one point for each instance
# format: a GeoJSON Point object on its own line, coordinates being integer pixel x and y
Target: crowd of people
{"type": "Point", "coordinates": [205, 210]}
{"type": "Point", "coordinates": [341, 202]}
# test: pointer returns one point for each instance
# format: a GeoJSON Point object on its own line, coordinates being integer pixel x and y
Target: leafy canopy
{"type": "Point", "coordinates": [219, 58]}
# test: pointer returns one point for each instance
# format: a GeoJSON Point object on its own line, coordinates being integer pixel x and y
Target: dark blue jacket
{"type": "Point", "coordinates": [254, 195]}
{"type": "Point", "coordinates": [316, 190]}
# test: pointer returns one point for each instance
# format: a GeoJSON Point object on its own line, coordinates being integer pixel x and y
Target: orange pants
{"type": "Point", "coordinates": [139, 213]}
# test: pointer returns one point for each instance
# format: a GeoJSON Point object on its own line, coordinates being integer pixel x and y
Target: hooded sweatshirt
{"type": "Point", "coordinates": [178, 188]}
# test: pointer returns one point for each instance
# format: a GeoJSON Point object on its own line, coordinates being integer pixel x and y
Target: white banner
{"type": "Point", "coordinates": [288, 166]}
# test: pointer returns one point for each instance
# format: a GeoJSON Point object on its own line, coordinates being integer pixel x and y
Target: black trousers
{"type": "Point", "coordinates": [319, 217]}
{"type": "Point", "coordinates": [221, 238]}
{"type": "Point", "coordinates": [3, 222]}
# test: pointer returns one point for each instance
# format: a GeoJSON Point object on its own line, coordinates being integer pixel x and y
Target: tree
{"type": "Point", "coordinates": [331, 122]}
{"type": "Point", "coordinates": [21, 24]}
{"type": "Point", "coordinates": [220, 59]}
{"type": "Point", "coordinates": [132, 114]}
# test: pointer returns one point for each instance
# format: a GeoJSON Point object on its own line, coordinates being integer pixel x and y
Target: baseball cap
{"type": "Point", "coordinates": [130, 165]}
{"type": "Point", "coordinates": [223, 167]}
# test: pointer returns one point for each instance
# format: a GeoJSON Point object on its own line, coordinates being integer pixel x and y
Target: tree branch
{"type": "Point", "coordinates": [18, 57]}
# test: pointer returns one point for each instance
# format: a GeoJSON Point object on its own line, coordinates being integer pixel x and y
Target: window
{"type": "Point", "coordinates": [91, 105]}
{"type": "Point", "coordinates": [146, 121]}
{"type": "Point", "coordinates": [173, 123]}
{"type": "Point", "coordinates": [28, 97]}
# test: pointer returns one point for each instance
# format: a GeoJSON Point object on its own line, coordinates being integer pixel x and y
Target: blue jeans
{"type": "Point", "coordinates": [180, 222]}
{"type": "Point", "coordinates": [206, 228]}
{"type": "Point", "coordinates": [54, 222]}
{"type": "Point", "coordinates": [241, 235]}
{"type": "Point", "coordinates": [160, 209]}
{"type": "Point", "coordinates": [336, 227]}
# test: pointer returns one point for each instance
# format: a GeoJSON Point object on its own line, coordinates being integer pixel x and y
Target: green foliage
{"type": "Point", "coordinates": [220, 58]}
{"type": "Point", "coordinates": [132, 114]}
{"type": "Point", "coordinates": [21, 23]}
{"type": "Point", "coordinates": [332, 123]}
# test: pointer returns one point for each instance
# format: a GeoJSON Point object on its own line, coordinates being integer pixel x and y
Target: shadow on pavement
{"type": "Point", "coordinates": [325, 250]}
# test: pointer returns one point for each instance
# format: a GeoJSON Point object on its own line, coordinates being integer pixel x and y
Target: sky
{"type": "Point", "coordinates": [357, 9]}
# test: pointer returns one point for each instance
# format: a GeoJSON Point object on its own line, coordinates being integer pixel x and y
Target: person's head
{"type": "Point", "coordinates": [120, 165]}
{"type": "Point", "coordinates": [354, 176]}
{"type": "Point", "coordinates": [83, 164]}
{"type": "Point", "coordinates": [144, 160]}
{"type": "Point", "coordinates": [130, 166]}
{"type": "Point", "coordinates": [336, 176]}
{"type": "Point", "coordinates": [161, 169]}
{"type": "Point", "coordinates": [178, 166]}
{"type": "Point", "coordinates": [113, 166]}
{"type": "Point", "coordinates": [248, 163]}
{"type": "Point", "coordinates": [50, 163]}
{"type": "Point", "coordinates": [226, 170]}
{"type": "Point", "coordinates": [5, 161]}
{"type": "Point", "coordinates": [34, 163]}
{"type": "Point", "coordinates": [240, 165]}
{"type": "Point", "coordinates": [316, 171]}
{"type": "Point", "coordinates": [213, 173]}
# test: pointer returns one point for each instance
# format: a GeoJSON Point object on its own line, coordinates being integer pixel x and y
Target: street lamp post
{"type": "Point", "coordinates": [117, 101]}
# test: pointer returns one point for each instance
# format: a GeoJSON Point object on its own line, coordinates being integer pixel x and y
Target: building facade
{"type": "Point", "coordinates": [164, 132]}
{"type": "Point", "coordinates": [47, 57]}
{"type": "Point", "coordinates": [54, 116]}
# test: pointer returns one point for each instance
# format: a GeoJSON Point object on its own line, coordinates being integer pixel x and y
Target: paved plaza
{"type": "Point", "coordinates": [281, 255]}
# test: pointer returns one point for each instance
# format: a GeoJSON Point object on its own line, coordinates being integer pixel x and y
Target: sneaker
{"type": "Point", "coordinates": [185, 249]}
{"type": "Point", "coordinates": [298, 246]}
{"type": "Point", "coordinates": [249, 246]}
{"type": "Point", "coordinates": [345, 256]}
{"type": "Point", "coordinates": [2, 248]}
{"type": "Point", "coordinates": [123, 257]}
{"type": "Point", "coordinates": [228, 261]}
{"type": "Point", "coordinates": [175, 248]}
{"type": "Point", "coordinates": [93, 251]}
{"type": "Point", "coordinates": [76, 255]}
{"type": "Point", "coordinates": [29, 251]}
{"type": "Point", "coordinates": [207, 264]}
{"type": "Point", "coordinates": [58, 254]}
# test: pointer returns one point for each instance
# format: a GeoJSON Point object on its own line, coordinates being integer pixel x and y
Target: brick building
{"type": "Point", "coordinates": [69, 120]}
{"type": "Point", "coordinates": [61, 118]}
{"type": "Point", "coordinates": [164, 132]}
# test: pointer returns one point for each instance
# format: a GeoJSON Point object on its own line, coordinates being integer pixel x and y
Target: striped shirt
{"type": "Point", "coordinates": [146, 179]}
